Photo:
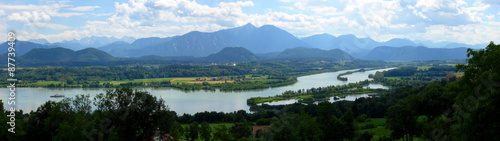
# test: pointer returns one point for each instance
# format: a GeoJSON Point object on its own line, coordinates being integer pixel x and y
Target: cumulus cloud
{"type": "Point", "coordinates": [83, 8]}
{"type": "Point", "coordinates": [490, 17]}
{"type": "Point", "coordinates": [469, 34]}
{"type": "Point", "coordinates": [49, 25]}
{"type": "Point", "coordinates": [34, 13]}
{"type": "Point", "coordinates": [27, 16]}
{"type": "Point", "coordinates": [378, 19]}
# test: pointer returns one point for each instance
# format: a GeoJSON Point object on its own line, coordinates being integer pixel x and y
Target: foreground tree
{"type": "Point", "coordinates": [193, 130]}
{"type": "Point", "coordinates": [401, 119]}
{"type": "Point", "coordinates": [125, 114]}
{"type": "Point", "coordinates": [221, 133]}
{"type": "Point", "coordinates": [205, 131]}
{"type": "Point", "coordinates": [477, 106]}
{"type": "Point", "coordinates": [240, 130]}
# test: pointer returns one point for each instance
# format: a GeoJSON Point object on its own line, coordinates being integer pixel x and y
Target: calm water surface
{"type": "Point", "coordinates": [29, 99]}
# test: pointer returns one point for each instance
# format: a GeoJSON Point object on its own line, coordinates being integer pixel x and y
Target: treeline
{"type": "Point", "coordinates": [401, 71]}
{"type": "Point", "coordinates": [409, 75]}
{"type": "Point", "coordinates": [276, 68]}
{"type": "Point", "coordinates": [312, 95]}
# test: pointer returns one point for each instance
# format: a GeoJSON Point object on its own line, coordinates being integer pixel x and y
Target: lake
{"type": "Point", "coordinates": [29, 99]}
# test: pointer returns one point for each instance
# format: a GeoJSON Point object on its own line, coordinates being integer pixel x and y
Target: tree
{"type": "Point", "coordinates": [307, 128]}
{"type": "Point", "coordinates": [240, 130]}
{"type": "Point", "coordinates": [129, 114]}
{"type": "Point", "coordinates": [221, 133]}
{"type": "Point", "coordinates": [177, 131]}
{"type": "Point", "coordinates": [280, 131]}
{"type": "Point", "coordinates": [476, 107]}
{"type": "Point", "coordinates": [401, 119]}
{"type": "Point", "coordinates": [348, 123]}
{"type": "Point", "coordinates": [193, 130]}
{"type": "Point", "coordinates": [205, 131]}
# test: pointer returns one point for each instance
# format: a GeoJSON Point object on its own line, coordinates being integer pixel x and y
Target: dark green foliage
{"type": "Point", "coordinates": [194, 130]}
{"type": "Point", "coordinates": [205, 131]}
{"type": "Point", "coordinates": [402, 119]}
{"type": "Point", "coordinates": [240, 130]}
{"type": "Point", "coordinates": [221, 133]}
{"type": "Point", "coordinates": [130, 115]}
{"type": "Point", "coordinates": [477, 105]}
{"type": "Point", "coordinates": [366, 136]}
{"type": "Point", "coordinates": [177, 131]}
{"type": "Point", "coordinates": [401, 71]}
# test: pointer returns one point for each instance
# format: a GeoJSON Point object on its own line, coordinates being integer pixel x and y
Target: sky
{"type": "Point", "coordinates": [462, 21]}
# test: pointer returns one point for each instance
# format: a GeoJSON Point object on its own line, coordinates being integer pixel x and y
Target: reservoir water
{"type": "Point", "coordinates": [29, 99]}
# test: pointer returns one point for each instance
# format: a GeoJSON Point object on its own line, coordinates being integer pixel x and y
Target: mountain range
{"type": "Point", "coordinates": [409, 53]}
{"type": "Point", "coordinates": [64, 56]}
{"type": "Point", "coordinates": [266, 41]}
{"type": "Point", "coordinates": [92, 41]}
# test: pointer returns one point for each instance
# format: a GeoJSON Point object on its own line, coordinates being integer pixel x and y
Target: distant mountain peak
{"type": "Point", "coordinates": [249, 25]}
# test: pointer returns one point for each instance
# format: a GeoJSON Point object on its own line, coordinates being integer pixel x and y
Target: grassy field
{"type": "Point", "coordinates": [379, 129]}
{"type": "Point", "coordinates": [394, 78]}
{"type": "Point", "coordinates": [45, 83]}
{"type": "Point", "coordinates": [137, 80]}
{"type": "Point", "coordinates": [212, 125]}
{"type": "Point", "coordinates": [423, 67]}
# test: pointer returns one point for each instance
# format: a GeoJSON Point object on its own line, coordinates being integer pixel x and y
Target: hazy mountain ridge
{"type": "Point", "coordinates": [409, 53]}
{"type": "Point", "coordinates": [302, 52]}
{"type": "Point", "coordinates": [359, 47]}
{"type": "Point", "coordinates": [86, 42]}
{"type": "Point", "coordinates": [22, 47]}
{"type": "Point", "coordinates": [266, 41]}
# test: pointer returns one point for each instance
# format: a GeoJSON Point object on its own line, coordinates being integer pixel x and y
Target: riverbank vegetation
{"type": "Point", "coordinates": [243, 76]}
{"type": "Point", "coordinates": [317, 94]}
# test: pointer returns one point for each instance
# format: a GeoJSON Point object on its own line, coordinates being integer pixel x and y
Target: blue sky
{"type": "Point", "coordinates": [463, 21]}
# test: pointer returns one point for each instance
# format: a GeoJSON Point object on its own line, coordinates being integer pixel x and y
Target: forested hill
{"type": "Point", "coordinates": [41, 55]}
{"type": "Point", "coordinates": [231, 54]}
{"type": "Point", "coordinates": [409, 53]}
{"type": "Point", "coordinates": [302, 52]}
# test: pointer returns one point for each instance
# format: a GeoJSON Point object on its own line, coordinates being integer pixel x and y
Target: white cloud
{"type": "Point", "coordinates": [378, 19]}
{"type": "Point", "coordinates": [102, 14]}
{"type": "Point", "coordinates": [286, 1]}
{"type": "Point", "coordinates": [83, 8]}
{"type": "Point", "coordinates": [27, 16]}
{"type": "Point", "coordinates": [495, 2]}
{"type": "Point", "coordinates": [469, 34]}
{"type": "Point", "coordinates": [490, 17]}
{"type": "Point", "coordinates": [49, 25]}
{"type": "Point", "coordinates": [35, 13]}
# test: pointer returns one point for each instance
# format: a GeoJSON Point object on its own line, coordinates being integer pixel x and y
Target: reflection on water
{"type": "Point", "coordinates": [192, 101]}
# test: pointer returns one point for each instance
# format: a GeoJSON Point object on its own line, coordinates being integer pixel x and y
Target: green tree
{"type": "Point", "coordinates": [307, 128]}
{"type": "Point", "coordinates": [280, 131]}
{"type": "Point", "coordinates": [131, 115]}
{"type": "Point", "coordinates": [240, 130]}
{"type": "Point", "coordinates": [205, 131]}
{"type": "Point", "coordinates": [221, 133]}
{"type": "Point", "coordinates": [193, 130]}
{"type": "Point", "coordinates": [177, 131]}
{"type": "Point", "coordinates": [401, 120]}
{"type": "Point", "coordinates": [348, 124]}
{"type": "Point", "coordinates": [476, 107]}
